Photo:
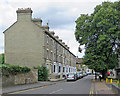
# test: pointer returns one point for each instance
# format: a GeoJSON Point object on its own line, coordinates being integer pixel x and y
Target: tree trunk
{"type": "Point", "coordinates": [95, 75]}
{"type": "Point", "coordinates": [104, 74]}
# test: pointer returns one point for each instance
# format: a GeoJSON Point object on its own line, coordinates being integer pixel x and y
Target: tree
{"type": "Point", "coordinates": [100, 33]}
{"type": "Point", "coordinates": [2, 56]}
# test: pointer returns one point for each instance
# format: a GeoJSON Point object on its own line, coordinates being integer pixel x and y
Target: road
{"type": "Point", "coordinates": [81, 86]}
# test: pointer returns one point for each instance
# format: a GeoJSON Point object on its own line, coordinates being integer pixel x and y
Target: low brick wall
{"type": "Point", "coordinates": [30, 77]}
{"type": "Point", "coordinates": [116, 89]}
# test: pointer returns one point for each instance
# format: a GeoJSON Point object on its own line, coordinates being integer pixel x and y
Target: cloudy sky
{"type": "Point", "coordinates": [60, 14]}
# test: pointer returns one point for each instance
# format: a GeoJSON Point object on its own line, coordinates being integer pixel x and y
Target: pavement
{"type": "Point", "coordinates": [101, 87]}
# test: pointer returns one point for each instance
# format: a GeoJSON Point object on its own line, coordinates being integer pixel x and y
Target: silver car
{"type": "Point", "coordinates": [84, 74]}
{"type": "Point", "coordinates": [79, 74]}
{"type": "Point", "coordinates": [71, 76]}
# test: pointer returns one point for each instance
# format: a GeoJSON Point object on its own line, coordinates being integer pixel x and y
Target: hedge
{"type": "Point", "coordinates": [13, 69]}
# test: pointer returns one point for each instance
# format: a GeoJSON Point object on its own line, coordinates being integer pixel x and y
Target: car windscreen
{"type": "Point", "coordinates": [70, 75]}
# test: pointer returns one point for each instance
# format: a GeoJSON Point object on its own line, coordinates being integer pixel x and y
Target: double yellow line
{"type": "Point", "coordinates": [92, 87]}
{"type": "Point", "coordinates": [91, 93]}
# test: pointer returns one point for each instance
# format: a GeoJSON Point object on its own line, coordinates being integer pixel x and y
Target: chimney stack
{"type": "Point", "coordinates": [52, 32]}
{"type": "Point", "coordinates": [24, 14]}
{"type": "Point", "coordinates": [37, 21]}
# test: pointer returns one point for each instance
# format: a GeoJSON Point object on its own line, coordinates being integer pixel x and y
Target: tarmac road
{"type": "Point", "coordinates": [81, 86]}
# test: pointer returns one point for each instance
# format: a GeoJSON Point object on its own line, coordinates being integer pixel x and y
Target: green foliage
{"type": "Point", "coordinates": [42, 73]}
{"type": "Point", "coordinates": [100, 33]}
{"type": "Point", "coordinates": [78, 69]}
{"type": "Point", "coordinates": [1, 58]}
{"type": "Point", "coordinates": [117, 84]}
{"type": "Point", "coordinates": [13, 69]}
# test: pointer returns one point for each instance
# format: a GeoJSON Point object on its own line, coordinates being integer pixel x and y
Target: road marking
{"type": "Point", "coordinates": [30, 89]}
{"type": "Point", "coordinates": [55, 91]}
{"type": "Point", "coordinates": [91, 89]}
{"type": "Point", "coordinates": [90, 93]}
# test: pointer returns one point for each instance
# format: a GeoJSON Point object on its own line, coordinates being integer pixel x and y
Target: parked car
{"type": "Point", "coordinates": [71, 76]}
{"type": "Point", "coordinates": [80, 74]}
{"type": "Point", "coordinates": [89, 73]}
{"type": "Point", "coordinates": [84, 74]}
{"type": "Point", "coordinates": [64, 76]}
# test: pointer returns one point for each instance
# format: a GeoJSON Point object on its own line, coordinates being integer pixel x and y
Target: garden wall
{"type": "Point", "coordinates": [26, 78]}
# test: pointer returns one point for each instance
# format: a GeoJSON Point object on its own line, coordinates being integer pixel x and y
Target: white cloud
{"type": "Point", "coordinates": [1, 43]}
{"type": "Point", "coordinates": [8, 14]}
{"type": "Point", "coordinates": [60, 13]}
{"type": "Point", "coordinates": [67, 35]}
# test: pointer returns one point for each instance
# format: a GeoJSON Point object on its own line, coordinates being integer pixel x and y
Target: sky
{"type": "Point", "coordinates": [60, 14]}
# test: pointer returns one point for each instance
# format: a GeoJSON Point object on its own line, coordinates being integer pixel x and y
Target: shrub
{"type": "Point", "coordinates": [14, 69]}
{"type": "Point", "coordinates": [26, 69]}
{"type": "Point", "coordinates": [42, 73]}
{"type": "Point", "coordinates": [78, 69]}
